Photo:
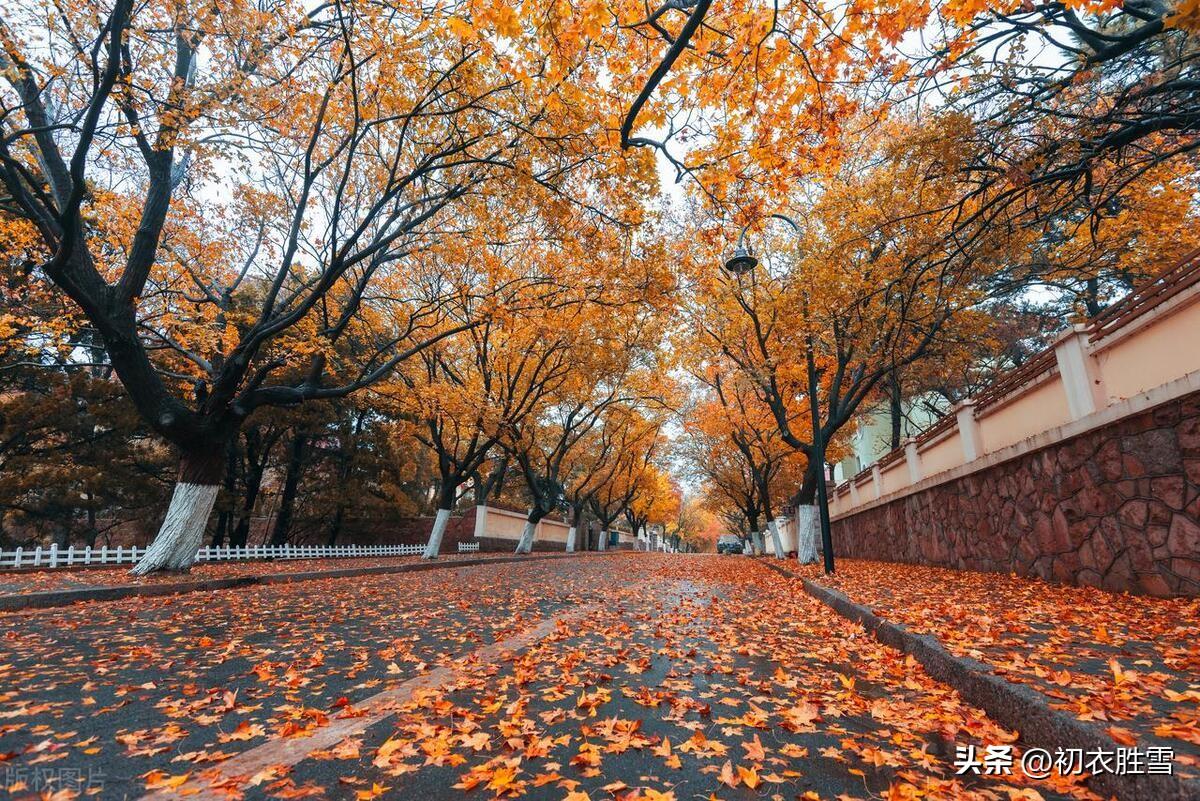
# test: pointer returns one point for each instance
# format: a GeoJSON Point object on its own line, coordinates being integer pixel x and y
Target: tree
{"type": "Point", "coordinates": [626, 482]}
{"type": "Point", "coordinates": [597, 462]}
{"type": "Point", "coordinates": [657, 502]}
{"type": "Point", "coordinates": [131, 148]}
{"type": "Point", "coordinates": [76, 463]}
{"type": "Point", "coordinates": [856, 294]}
{"type": "Point", "coordinates": [1073, 104]}
{"type": "Point", "coordinates": [540, 446]}
{"type": "Point", "coordinates": [610, 354]}
{"type": "Point", "coordinates": [728, 482]}
{"type": "Point", "coordinates": [690, 528]}
{"type": "Point", "coordinates": [733, 413]}
{"type": "Point", "coordinates": [466, 400]}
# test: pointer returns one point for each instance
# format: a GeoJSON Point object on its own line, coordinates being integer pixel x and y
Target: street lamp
{"type": "Point", "coordinates": [739, 262]}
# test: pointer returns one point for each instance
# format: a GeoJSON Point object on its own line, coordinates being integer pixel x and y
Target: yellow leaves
{"type": "Point", "coordinates": [504, 781]}
{"type": "Point", "coordinates": [749, 777]}
{"type": "Point", "coordinates": [1186, 730]}
{"type": "Point", "coordinates": [701, 746]}
{"type": "Point", "coordinates": [588, 758]}
{"type": "Point", "coordinates": [479, 741]}
{"type": "Point", "coordinates": [374, 791]}
{"type": "Point", "coordinates": [663, 750]}
{"type": "Point", "coordinates": [265, 671]}
{"type": "Point", "coordinates": [245, 731]}
{"type": "Point", "coordinates": [735, 777]}
{"type": "Point", "coordinates": [461, 28]}
{"type": "Point", "coordinates": [504, 17]}
{"type": "Point", "coordinates": [590, 701]}
{"type": "Point", "coordinates": [799, 718]}
{"type": "Point", "coordinates": [1186, 15]}
{"type": "Point", "coordinates": [754, 750]}
{"type": "Point", "coordinates": [794, 751]}
{"type": "Point", "coordinates": [962, 12]}
{"type": "Point", "coordinates": [346, 749]}
{"type": "Point", "coordinates": [159, 780]}
{"type": "Point", "coordinates": [1024, 794]}
{"type": "Point", "coordinates": [1121, 676]}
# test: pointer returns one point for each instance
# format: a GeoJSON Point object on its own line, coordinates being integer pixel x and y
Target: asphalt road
{"type": "Point", "coordinates": [614, 676]}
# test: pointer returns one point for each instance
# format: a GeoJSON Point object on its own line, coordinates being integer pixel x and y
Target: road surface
{"type": "Point", "coordinates": [626, 675]}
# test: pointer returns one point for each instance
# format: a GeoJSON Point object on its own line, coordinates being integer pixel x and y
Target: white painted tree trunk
{"type": "Point", "coordinates": [603, 545]}
{"type": "Point", "coordinates": [525, 544]}
{"type": "Point", "coordinates": [571, 540]}
{"type": "Point", "coordinates": [756, 542]}
{"type": "Point", "coordinates": [806, 535]}
{"type": "Point", "coordinates": [480, 520]}
{"type": "Point", "coordinates": [434, 546]}
{"type": "Point", "coordinates": [182, 530]}
{"type": "Point", "coordinates": [776, 542]}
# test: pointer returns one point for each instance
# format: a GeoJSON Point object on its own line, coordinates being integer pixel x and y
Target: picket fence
{"type": "Point", "coordinates": [68, 557]}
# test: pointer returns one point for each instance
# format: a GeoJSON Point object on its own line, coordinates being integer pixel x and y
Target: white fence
{"type": "Point", "coordinates": [56, 557]}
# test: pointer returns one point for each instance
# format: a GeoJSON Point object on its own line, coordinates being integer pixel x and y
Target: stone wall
{"type": "Point", "coordinates": [1117, 507]}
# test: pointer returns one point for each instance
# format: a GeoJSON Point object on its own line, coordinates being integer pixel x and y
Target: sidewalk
{"type": "Point", "coordinates": [41, 589]}
{"type": "Point", "coordinates": [1130, 664]}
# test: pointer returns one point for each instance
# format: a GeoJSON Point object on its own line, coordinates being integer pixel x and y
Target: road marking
{"type": "Point", "coordinates": [378, 707]}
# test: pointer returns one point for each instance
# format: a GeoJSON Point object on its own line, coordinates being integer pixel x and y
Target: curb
{"type": "Point", "coordinates": [53, 598]}
{"type": "Point", "coordinates": [1012, 705]}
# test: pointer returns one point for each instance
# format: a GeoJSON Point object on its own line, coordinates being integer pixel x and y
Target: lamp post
{"type": "Point", "coordinates": [742, 260]}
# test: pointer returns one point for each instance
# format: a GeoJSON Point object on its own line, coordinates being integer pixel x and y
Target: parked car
{"type": "Point", "coordinates": [729, 543]}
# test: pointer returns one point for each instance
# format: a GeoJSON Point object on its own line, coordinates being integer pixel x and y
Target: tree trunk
{"type": "Point", "coordinates": [808, 488]}
{"type": "Point", "coordinates": [806, 535]}
{"type": "Point", "coordinates": [90, 537]}
{"type": "Point", "coordinates": [773, 527]}
{"type": "Point", "coordinates": [434, 546]}
{"type": "Point", "coordinates": [291, 484]}
{"type": "Point", "coordinates": [241, 532]}
{"type": "Point", "coordinates": [525, 544]}
{"type": "Point", "coordinates": [447, 493]}
{"type": "Point", "coordinates": [345, 460]}
{"type": "Point", "coordinates": [756, 542]}
{"type": "Point", "coordinates": [576, 519]}
{"type": "Point", "coordinates": [895, 409]}
{"type": "Point", "coordinates": [62, 534]}
{"type": "Point", "coordinates": [335, 527]}
{"type": "Point", "coordinates": [1092, 297]}
{"type": "Point", "coordinates": [182, 530]}
{"type": "Point", "coordinates": [226, 515]}
{"type": "Point", "coordinates": [220, 532]}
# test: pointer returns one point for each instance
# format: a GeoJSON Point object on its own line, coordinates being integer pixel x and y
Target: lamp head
{"type": "Point", "coordinates": [741, 260]}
